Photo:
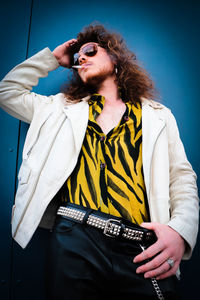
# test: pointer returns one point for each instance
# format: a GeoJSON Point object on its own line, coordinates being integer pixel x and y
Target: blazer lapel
{"type": "Point", "coordinates": [152, 125]}
{"type": "Point", "coordinates": [78, 116]}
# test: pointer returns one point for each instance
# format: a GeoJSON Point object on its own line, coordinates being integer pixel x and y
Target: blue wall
{"type": "Point", "coordinates": [165, 37]}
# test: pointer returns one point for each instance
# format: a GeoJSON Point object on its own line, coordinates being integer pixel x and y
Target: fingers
{"type": "Point", "coordinates": [154, 263]}
{"type": "Point", "coordinates": [161, 270]}
{"type": "Point", "coordinates": [70, 42]}
{"type": "Point", "coordinates": [170, 272]}
{"type": "Point", "coordinates": [149, 252]}
{"type": "Point", "coordinates": [158, 267]}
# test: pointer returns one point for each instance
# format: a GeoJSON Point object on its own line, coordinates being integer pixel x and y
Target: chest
{"type": "Point", "coordinates": [110, 117]}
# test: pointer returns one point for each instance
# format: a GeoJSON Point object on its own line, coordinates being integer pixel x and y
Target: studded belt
{"type": "Point", "coordinates": [110, 225]}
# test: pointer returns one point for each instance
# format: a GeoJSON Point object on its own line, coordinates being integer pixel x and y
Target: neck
{"type": "Point", "coordinates": [109, 90]}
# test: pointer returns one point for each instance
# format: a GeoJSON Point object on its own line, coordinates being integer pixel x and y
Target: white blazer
{"type": "Point", "coordinates": [54, 140]}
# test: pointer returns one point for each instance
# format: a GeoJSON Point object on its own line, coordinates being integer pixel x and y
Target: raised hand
{"type": "Point", "coordinates": [62, 53]}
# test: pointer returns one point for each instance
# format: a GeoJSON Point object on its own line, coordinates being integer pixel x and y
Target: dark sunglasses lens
{"type": "Point", "coordinates": [90, 50]}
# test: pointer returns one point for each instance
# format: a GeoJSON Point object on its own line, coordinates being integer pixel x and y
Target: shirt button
{"type": "Point", "coordinates": [102, 138]}
{"type": "Point", "coordinates": [126, 118]}
{"type": "Point", "coordinates": [102, 166]}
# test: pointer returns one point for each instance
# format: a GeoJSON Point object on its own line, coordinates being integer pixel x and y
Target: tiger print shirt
{"type": "Point", "coordinates": [109, 172]}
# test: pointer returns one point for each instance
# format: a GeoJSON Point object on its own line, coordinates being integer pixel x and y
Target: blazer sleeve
{"type": "Point", "coordinates": [184, 200]}
{"type": "Point", "coordinates": [16, 97]}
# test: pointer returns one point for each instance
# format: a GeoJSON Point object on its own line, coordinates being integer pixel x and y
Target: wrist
{"type": "Point", "coordinates": [56, 56]}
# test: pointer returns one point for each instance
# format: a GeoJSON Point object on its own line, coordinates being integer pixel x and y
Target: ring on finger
{"type": "Point", "coordinates": [170, 262]}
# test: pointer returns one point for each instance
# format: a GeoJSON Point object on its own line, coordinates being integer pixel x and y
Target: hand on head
{"type": "Point", "coordinates": [62, 53]}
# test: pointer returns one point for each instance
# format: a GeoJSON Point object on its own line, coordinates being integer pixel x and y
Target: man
{"type": "Point", "coordinates": [105, 169]}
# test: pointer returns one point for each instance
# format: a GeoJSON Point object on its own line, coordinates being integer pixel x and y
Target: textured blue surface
{"type": "Point", "coordinates": [165, 38]}
{"type": "Point", "coordinates": [14, 24]}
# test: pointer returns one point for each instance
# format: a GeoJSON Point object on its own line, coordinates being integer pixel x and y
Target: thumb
{"type": "Point", "coordinates": [148, 225]}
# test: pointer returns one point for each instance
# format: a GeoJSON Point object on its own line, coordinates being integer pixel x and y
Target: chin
{"type": "Point", "coordinates": [96, 78]}
{"type": "Point", "coordinates": [93, 78]}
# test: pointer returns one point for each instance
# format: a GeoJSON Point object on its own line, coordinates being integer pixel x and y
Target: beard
{"type": "Point", "coordinates": [95, 81]}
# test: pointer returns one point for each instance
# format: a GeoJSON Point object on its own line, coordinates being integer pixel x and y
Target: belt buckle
{"type": "Point", "coordinates": [111, 229]}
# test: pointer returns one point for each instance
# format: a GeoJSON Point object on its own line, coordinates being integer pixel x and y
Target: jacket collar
{"type": "Point", "coordinates": [152, 103]}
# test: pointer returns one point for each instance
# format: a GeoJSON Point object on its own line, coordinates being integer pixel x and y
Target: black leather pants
{"type": "Point", "coordinates": [84, 264]}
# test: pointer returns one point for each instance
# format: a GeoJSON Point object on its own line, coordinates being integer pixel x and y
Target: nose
{"type": "Point", "coordinates": [82, 59]}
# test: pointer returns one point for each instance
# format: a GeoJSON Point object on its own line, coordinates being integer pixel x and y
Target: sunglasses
{"type": "Point", "coordinates": [88, 50]}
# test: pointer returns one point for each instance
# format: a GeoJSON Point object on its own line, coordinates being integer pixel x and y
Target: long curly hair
{"type": "Point", "coordinates": [132, 80]}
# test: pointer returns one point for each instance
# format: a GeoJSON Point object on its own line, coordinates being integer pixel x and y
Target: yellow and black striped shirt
{"type": "Point", "coordinates": [109, 172]}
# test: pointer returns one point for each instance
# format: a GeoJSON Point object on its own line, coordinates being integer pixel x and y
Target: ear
{"type": "Point", "coordinates": [113, 58]}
